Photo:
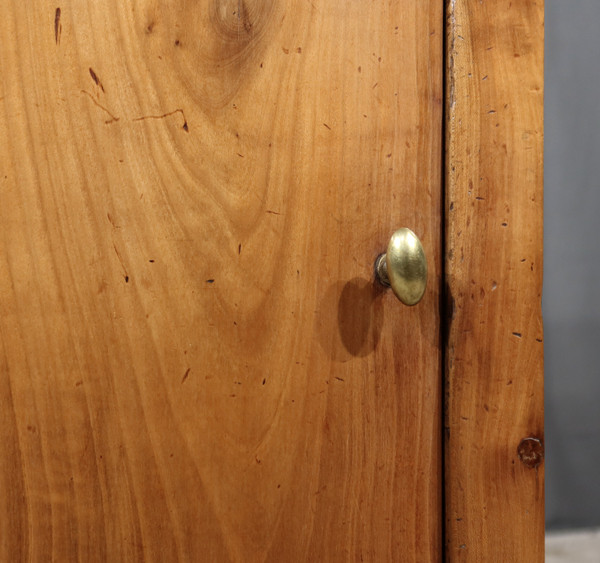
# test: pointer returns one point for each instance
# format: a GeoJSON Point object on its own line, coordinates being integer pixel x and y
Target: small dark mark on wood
{"type": "Point", "coordinates": [125, 274]}
{"type": "Point", "coordinates": [185, 375]}
{"type": "Point", "coordinates": [177, 43]}
{"type": "Point", "coordinates": [210, 281]}
{"type": "Point", "coordinates": [517, 334]}
{"type": "Point", "coordinates": [375, 85]}
{"type": "Point", "coordinates": [339, 378]}
{"type": "Point", "coordinates": [110, 219]}
{"type": "Point", "coordinates": [261, 65]}
{"type": "Point", "coordinates": [150, 27]}
{"type": "Point", "coordinates": [389, 155]}
{"type": "Point", "coordinates": [112, 117]}
{"type": "Point", "coordinates": [57, 26]}
{"type": "Point", "coordinates": [359, 69]}
{"type": "Point", "coordinates": [480, 198]}
{"type": "Point", "coordinates": [509, 382]}
{"type": "Point", "coordinates": [257, 460]}
{"type": "Point", "coordinates": [505, 224]}
{"type": "Point", "coordinates": [151, 261]}
{"type": "Point", "coordinates": [538, 340]}
{"type": "Point", "coordinates": [492, 111]}
{"type": "Point", "coordinates": [286, 51]}
{"type": "Point", "coordinates": [273, 212]}
{"type": "Point", "coordinates": [451, 205]}
{"type": "Point", "coordinates": [240, 155]}
{"type": "Point", "coordinates": [484, 78]}
{"type": "Point", "coordinates": [264, 381]}
{"type": "Point", "coordinates": [96, 79]}
{"type": "Point", "coordinates": [523, 259]}
{"type": "Point", "coordinates": [299, 50]}
{"type": "Point", "coordinates": [184, 126]}
{"type": "Point", "coordinates": [78, 383]}
{"type": "Point", "coordinates": [325, 124]}
{"type": "Point", "coordinates": [240, 248]}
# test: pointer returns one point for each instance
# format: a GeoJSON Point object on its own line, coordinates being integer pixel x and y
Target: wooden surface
{"type": "Point", "coordinates": [494, 475]}
{"type": "Point", "coordinates": [195, 361]}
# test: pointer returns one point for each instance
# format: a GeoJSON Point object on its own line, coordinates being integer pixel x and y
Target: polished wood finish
{"type": "Point", "coordinates": [196, 363]}
{"type": "Point", "coordinates": [494, 473]}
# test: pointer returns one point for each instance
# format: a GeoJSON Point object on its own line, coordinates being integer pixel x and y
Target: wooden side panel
{"type": "Point", "coordinates": [494, 371]}
{"type": "Point", "coordinates": [195, 363]}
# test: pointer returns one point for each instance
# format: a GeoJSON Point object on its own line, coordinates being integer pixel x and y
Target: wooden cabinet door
{"type": "Point", "coordinates": [196, 363]}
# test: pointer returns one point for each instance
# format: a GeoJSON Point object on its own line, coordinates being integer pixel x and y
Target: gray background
{"type": "Point", "coordinates": [571, 301]}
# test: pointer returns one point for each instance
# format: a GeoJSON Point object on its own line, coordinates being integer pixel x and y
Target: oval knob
{"type": "Point", "coordinates": [404, 267]}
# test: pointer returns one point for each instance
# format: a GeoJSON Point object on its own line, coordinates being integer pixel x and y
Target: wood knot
{"type": "Point", "coordinates": [236, 16]}
{"type": "Point", "coordinates": [531, 452]}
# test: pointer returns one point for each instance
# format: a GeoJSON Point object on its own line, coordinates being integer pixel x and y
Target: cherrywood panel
{"type": "Point", "coordinates": [494, 476]}
{"type": "Point", "coordinates": [196, 363]}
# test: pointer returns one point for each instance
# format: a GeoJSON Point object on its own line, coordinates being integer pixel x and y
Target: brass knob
{"type": "Point", "coordinates": [403, 267]}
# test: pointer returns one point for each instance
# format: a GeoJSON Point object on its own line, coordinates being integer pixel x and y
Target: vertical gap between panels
{"type": "Point", "coordinates": [444, 284]}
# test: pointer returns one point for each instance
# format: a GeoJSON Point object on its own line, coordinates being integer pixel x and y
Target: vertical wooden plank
{"type": "Point", "coordinates": [494, 476]}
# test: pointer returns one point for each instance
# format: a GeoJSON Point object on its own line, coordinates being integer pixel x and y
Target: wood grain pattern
{"type": "Point", "coordinates": [494, 483]}
{"type": "Point", "coordinates": [196, 364]}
